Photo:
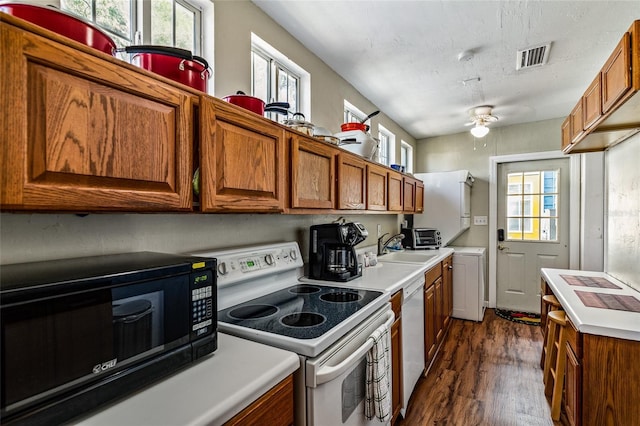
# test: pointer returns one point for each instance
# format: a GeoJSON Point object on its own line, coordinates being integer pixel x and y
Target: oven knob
{"type": "Point", "coordinates": [222, 268]}
{"type": "Point", "coordinates": [268, 259]}
{"type": "Point", "coordinates": [293, 254]}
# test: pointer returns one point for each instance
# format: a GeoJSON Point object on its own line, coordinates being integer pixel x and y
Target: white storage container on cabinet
{"type": "Point", "coordinates": [469, 282]}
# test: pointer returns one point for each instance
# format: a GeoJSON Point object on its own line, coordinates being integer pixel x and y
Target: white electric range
{"type": "Point", "coordinates": [327, 324]}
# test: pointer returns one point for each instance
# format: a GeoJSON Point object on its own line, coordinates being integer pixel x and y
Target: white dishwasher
{"type": "Point", "coordinates": [412, 337]}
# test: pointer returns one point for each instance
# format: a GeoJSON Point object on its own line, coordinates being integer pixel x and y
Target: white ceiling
{"type": "Point", "coordinates": [403, 55]}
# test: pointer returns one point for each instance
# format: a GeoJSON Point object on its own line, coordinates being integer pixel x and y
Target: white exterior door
{"type": "Point", "coordinates": [533, 229]}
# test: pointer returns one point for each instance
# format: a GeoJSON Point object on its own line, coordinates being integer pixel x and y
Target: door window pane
{"type": "Point", "coordinates": [532, 200]}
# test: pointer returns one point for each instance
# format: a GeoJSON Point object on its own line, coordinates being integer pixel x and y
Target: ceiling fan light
{"type": "Point", "coordinates": [479, 131]}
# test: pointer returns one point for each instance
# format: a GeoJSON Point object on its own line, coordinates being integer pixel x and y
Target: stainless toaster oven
{"type": "Point", "coordinates": [421, 238]}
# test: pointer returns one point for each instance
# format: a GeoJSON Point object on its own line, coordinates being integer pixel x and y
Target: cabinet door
{"type": "Point", "coordinates": [592, 101]}
{"type": "Point", "coordinates": [376, 188]}
{"type": "Point", "coordinates": [429, 323]}
{"type": "Point", "coordinates": [447, 284]}
{"type": "Point", "coordinates": [577, 126]}
{"type": "Point", "coordinates": [566, 133]}
{"type": "Point", "coordinates": [419, 197]}
{"type": "Point", "coordinates": [573, 388]}
{"type": "Point", "coordinates": [85, 133]}
{"type": "Point", "coordinates": [313, 166]}
{"type": "Point", "coordinates": [395, 191]}
{"type": "Point", "coordinates": [242, 164]}
{"type": "Point", "coordinates": [396, 368]}
{"type": "Point", "coordinates": [439, 302]}
{"type": "Point", "coordinates": [275, 408]}
{"type": "Point", "coordinates": [352, 182]}
{"type": "Point", "coordinates": [409, 194]}
{"type": "Point", "coordinates": [616, 75]}
{"type": "Point", "coordinates": [396, 356]}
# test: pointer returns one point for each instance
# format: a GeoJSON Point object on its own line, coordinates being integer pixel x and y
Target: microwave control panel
{"type": "Point", "coordinates": [203, 306]}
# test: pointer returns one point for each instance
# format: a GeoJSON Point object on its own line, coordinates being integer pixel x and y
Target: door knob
{"type": "Point", "coordinates": [502, 247]}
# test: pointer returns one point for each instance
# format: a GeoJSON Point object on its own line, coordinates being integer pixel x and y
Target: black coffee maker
{"type": "Point", "coordinates": [332, 253]}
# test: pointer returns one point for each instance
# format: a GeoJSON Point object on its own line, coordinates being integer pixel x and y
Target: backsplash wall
{"type": "Point", "coordinates": [34, 237]}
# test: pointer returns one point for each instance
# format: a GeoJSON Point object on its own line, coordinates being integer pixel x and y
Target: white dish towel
{"type": "Point", "coordinates": [378, 389]}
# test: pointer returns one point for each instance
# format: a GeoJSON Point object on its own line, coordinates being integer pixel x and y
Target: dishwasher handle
{"type": "Point", "coordinates": [328, 373]}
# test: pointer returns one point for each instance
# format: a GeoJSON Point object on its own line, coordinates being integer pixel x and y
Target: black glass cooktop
{"type": "Point", "coordinates": [303, 311]}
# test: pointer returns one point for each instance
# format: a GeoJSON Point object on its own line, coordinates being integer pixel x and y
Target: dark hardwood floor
{"type": "Point", "coordinates": [485, 374]}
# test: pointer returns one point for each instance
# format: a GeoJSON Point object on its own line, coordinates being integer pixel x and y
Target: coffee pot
{"type": "Point", "coordinates": [332, 253]}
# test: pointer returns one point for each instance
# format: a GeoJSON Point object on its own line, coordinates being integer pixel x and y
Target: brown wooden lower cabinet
{"type": "Point", "coordinates": [602, 379]}
{"type": "Point", "coordinates": [275, 408]}
{"type": "Point", "coordinates": [438, 306]}
{"type": "Point", "coordinates": [396, 357]}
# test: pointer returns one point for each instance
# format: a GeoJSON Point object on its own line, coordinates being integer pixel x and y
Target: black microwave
{"type": "Point", "coordinates": [78, 333]}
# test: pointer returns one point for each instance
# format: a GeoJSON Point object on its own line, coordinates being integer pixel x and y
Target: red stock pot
{"type": "Point", "coordinates": [173, 63]}
{"type": "Point", "coordinates": [256, 105]}
{"type": "Point", "coordinates": [62, 23]}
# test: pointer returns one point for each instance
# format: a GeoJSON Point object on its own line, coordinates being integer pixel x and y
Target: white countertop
{"type": "Point", "coordinates": [393, 276]}
{"type": "Point", "coordinates": [210, 392]}
{"type": "Point", "coordinates": [599, 321]}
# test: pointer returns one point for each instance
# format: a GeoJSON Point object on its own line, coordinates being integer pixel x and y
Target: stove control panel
{"type": "Point", "coordinates": [264, 260]}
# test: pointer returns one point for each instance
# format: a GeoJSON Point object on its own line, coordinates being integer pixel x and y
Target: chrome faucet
{"type": "Point", "coordinates": [392, 240]}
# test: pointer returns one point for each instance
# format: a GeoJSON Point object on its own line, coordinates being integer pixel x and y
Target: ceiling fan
{"type": "Point", "coordinates": [480, 117]}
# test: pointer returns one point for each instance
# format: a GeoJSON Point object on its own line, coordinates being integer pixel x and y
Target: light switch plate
{"type": "Point", "coordinates": [480, 220]}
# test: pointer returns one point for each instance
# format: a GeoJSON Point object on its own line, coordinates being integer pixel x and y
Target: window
{"type": "Point", "coordinates": [532, 200]}
{"type": "Point", "coordinates": [353, 114]}
{"type": "Point", "coordinates": [387, 145]}
{"type": "Point", "coordinates": [406, 156]}
{"type": "Point", "coordinates": [275, 78]}
{"type": "Point", "coordinates": [174, 23]}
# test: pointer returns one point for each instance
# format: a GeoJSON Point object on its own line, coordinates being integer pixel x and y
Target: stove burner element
{"type": "Point", "coordinates": [304, 289]}
{"type": "Point", "coordinates": [341, 297]}
{"type": "Point", "coordinates": [253, 312]}
{"type": "Point", "coordinates": [303, 319]}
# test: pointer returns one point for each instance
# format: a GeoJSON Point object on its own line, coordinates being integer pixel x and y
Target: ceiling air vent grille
{"type": "Point", "coordinates": [533, 56]}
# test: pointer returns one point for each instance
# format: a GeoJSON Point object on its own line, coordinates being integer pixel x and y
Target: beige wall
{"type": "Point", "coordinates": [461, 152]}
{"type": "Point", "coordinates": [234, 23]}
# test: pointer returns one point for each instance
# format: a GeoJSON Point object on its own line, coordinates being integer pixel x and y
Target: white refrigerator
{"type": "Point", "coordinates": [447, 203]}
{"type": "Point", "coordinates": [469, 278]}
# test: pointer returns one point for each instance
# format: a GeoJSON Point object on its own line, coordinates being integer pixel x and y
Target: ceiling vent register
{"type": "Point", "coordinates": [533, 56]}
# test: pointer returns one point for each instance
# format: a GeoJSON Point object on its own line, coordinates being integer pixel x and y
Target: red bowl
{"type": "Point", "coordinates": [353, 126]}
{"type": "Point", "coordinates": [62, 23]}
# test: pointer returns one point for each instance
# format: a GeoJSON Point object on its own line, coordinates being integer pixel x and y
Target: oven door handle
{"type": "Point", "coordinates": [328, 373]}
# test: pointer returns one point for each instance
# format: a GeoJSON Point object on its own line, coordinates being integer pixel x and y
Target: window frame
{"type": "Point", "coordinates": [406, 149]}
{"type": "Point", "coordinates": [140, 23]}
{"type": "Point", "coordinates": [387, 151]}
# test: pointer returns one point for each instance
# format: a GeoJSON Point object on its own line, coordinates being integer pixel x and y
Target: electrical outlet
{"type": "Point", "coordinates": [480, 220]}
{"type": "Point", "coordinates": [379, 230]}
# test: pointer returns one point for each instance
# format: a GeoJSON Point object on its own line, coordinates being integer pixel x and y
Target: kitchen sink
{"type": "Point", "coordinates": [407, 257]}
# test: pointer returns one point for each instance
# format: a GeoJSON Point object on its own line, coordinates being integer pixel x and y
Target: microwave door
{"type": "Point", "coordinates": [54, 342]}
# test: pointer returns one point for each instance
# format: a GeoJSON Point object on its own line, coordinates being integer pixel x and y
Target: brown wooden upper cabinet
{"type": "Point", "coordinates": [566, 133]}
{"type": "Point", "coordinates": [609, 110]}
{"type": "Point", "coordinates": [409, 194]}
{"type": "Point", "coordinates": [592, 103]}
{"type": "Point", "coordinates": [376, 187]}
{"type": "Point", "coordinates": [419, 197]}
{"type": "Point", "coordinates": [352, 182]}
{"type": "Point", "coordinates": [395, 187]}
{"type": "Point", "coordinates": [242, 160]}
{"type": "Point", "coordinates": [81, 132]}
{"type": "Point", "coordinates": [313, 172]}
{"type": "Point", "coordinates": [616, 74]}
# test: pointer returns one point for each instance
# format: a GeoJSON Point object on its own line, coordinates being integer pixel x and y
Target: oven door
{"type": "Point", "coordinates": [336, 379]}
